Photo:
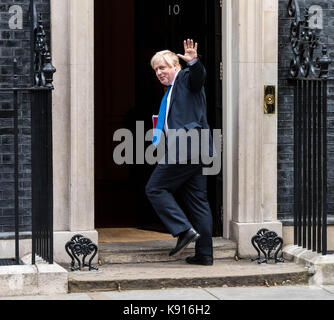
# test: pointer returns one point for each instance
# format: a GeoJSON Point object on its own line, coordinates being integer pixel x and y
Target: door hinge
{"type": "Point", "coordinates": [221, 71]}
{"type": "Point", "coordinates": [221, 3]}
{"type": "Point", "coordinates": [222, 142]}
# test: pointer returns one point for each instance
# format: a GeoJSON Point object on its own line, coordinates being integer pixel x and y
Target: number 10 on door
{"type": "Point", "coordinates": [174, 10]}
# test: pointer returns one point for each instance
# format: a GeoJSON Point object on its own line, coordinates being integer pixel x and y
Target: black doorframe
{"type": "Point", "coordinates": [215, 118]}
{"type": "Point", "coordinates": [211, 50]}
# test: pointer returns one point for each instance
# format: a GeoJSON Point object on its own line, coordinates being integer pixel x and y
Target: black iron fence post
{"type": "Point", "coordinates": [41, 132]}
{"type": "Point", "coordinates": [324, 192]}
{"type": "Point", "coordinates": [319, 170]}
{"type": "Point", "coordinates": [16, 163]}
{"type": "Point", "coordinates": [16, 174]}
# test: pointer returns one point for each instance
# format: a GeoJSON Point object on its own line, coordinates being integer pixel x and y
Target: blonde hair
{"type": "Point", "coordinates": [167, 56]}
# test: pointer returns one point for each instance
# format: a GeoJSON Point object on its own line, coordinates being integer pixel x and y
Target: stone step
{"type": "Point", "coordinates": [157, 251]}
{"type": "Point", "coordinates": [178, 274]}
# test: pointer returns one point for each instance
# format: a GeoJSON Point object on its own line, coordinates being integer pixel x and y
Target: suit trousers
{"type": "Point", "coordinates": [178, 193]}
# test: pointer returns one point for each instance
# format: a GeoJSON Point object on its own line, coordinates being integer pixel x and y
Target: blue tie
{"type": "Point", "coordinates": [161, 119]}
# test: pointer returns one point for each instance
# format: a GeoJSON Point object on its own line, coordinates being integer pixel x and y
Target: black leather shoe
{"type": "Point", "coordinates": [201, 260]}
{"type": "Point", "coordinates": [184, 240]}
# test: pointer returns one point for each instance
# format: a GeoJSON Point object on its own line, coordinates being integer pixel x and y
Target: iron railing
{"type": "Point", "coordinates": [41, 132]}
{"type": "Point", "coordinates": [8, 94]}
{"type": "Point", "coordinates": [41, 172]}
{"type": "Point", "coordinates": [42, 181]}
{"type": "Point", "coordinates": [310, 164]}
{"type": "Point", "coordinates": [40, 96]}
{"type": "Point", "coordinates": [310, 78]}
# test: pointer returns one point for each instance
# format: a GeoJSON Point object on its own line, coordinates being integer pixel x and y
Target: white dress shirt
{"type": "Point", "coordinates": [168, 103]}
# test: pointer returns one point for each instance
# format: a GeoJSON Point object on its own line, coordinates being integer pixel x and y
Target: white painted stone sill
{"type": "Point", "coordinates": [27, 279]}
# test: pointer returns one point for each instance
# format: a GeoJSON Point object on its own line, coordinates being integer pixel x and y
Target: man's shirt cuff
{"type": "Point", "coordinates": [191, 63]}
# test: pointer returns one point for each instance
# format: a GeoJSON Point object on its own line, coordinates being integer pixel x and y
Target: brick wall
{"type": "Point", "coordinates": [16, 43]}
{"type": "Point", "coordinates": [285, 113]}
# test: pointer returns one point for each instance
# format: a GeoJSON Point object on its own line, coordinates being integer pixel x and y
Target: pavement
{"type": "Point", "coordinates": [277, 293]}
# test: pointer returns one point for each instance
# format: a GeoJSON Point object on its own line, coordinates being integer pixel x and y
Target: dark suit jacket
{"type": "Point", "coordinates": [188, 106]}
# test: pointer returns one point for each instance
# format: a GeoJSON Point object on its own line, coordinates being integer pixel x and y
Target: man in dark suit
{"type": "Point", "coordinates": [183, 108]}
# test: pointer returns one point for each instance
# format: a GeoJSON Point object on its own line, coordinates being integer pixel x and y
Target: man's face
{"type": "Point", "coordinates": [164, 73]}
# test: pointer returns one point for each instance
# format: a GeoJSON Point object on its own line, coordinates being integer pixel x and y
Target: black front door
{"type": "Point", "coordinates": [129, 39]}
{"type": "Point", "coordinates": [161, 25]}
